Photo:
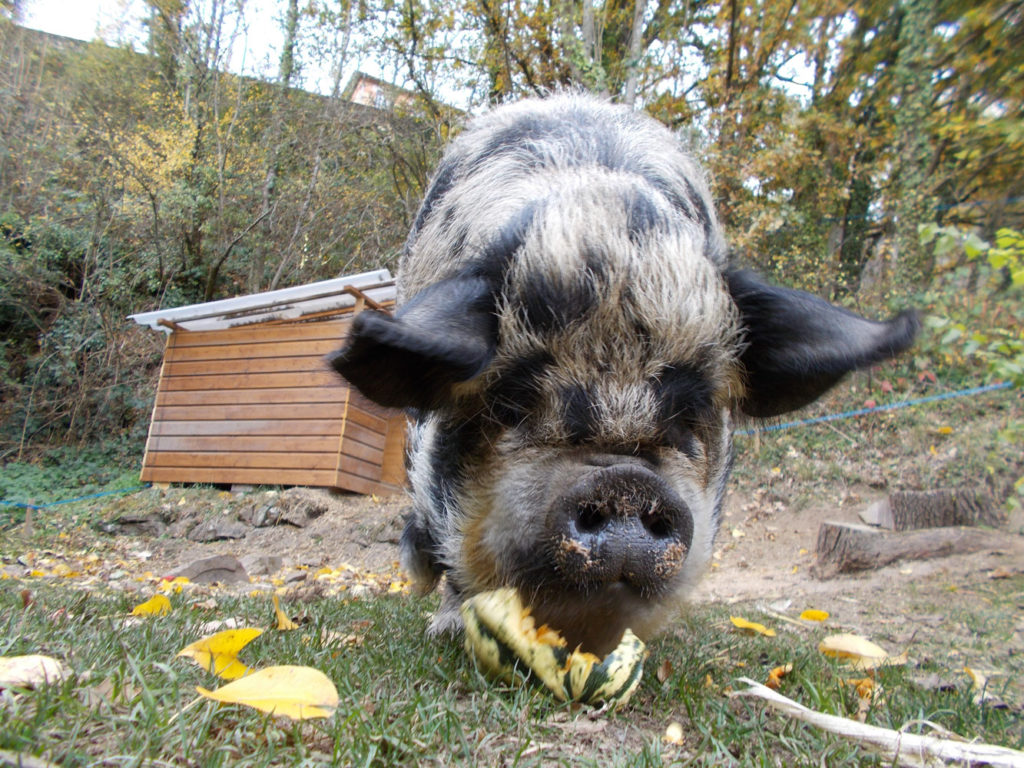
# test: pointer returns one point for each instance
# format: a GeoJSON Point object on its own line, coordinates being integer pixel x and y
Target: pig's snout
{"type": "Point", "coordinates": [620, 523]}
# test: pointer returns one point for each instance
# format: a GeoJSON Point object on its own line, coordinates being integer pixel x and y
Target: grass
{"type": "Point", "coordinates": [66, 472]}
{"type": "Point", "coordinates": [969, 442]}
{"type": "Point", "coordinates": [410, 701]}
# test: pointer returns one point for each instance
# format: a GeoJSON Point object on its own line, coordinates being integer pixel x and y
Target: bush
{"type": "Point", "coordinates": [975, 310]}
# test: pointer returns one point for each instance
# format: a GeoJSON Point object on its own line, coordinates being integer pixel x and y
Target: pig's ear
{"type": "Point", "coordinates": [798, 345]}
{"type": "Point", "coordinates": [444, 335]}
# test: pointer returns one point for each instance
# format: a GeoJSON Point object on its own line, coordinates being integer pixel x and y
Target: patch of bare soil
{"type": "Point", "coordinates": [303, 526]}
{"type": "Point", "coordinates": [766, 549]}
{"type": "Point", "coordinates": [764, 552]}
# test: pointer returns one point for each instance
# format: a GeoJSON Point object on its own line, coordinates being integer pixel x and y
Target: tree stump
{"type": "Point", "coordinates": [911, 510]}
{"type": "Point", "coordinates": [851, 547]}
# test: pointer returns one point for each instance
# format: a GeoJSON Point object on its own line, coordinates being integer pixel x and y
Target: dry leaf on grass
{"type": "Point", "coordinates": [290, 691]}
{"type": "Point", "coordinates": [30, 671]}
{"type": "Point", "coordinates": [979, 687]}
{"type": "Point", "coordinates": [859, 652]}
{"type": "Point", "coordinates": [673, 734]}
{"type": "Point", "coordinates": [283, 622]}
{"type": "Point", "coordinates": [868, 693]}
{"type": "Point", "coordinates": [219, 653]}
{"type": "Point", "coordinates": [751, 626]}
{"type": "Point", "coordinates": [775, 676]}
{"type": "Point", "coordinates": [814, 615]}
{"type": "Point", "coordinates": [157, 605]}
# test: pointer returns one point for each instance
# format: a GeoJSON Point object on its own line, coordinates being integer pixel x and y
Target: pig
{"type": "Point", "coordinates": [572, 345]}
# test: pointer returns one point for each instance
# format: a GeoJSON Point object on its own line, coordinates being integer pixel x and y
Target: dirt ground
{"type": "Point", "coordinates": [764, 552]}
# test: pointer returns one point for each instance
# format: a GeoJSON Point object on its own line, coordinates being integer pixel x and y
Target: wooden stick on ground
{"type": "Point", "coordinates": [899, 747]}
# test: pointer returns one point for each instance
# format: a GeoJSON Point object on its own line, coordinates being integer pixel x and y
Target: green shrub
{"type": "Point", "coordinates": [975, 310]}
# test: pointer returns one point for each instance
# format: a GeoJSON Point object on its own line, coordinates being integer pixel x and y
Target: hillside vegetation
{"type": "Point", "coordinates": [871, 152]}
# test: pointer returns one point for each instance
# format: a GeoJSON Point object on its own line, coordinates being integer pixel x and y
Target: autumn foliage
{"type": "Point", "coordinates": [155, 170]}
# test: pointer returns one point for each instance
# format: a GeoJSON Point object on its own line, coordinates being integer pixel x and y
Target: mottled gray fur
{"type": "Point", "coordinates": [566, 298]}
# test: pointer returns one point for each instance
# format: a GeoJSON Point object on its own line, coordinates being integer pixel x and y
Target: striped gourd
{"type": "Point", "coordinates": [504, 638]}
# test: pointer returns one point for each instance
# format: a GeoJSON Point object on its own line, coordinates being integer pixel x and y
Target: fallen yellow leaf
{"type": "Point", "coordinates": [751, 626]}
{"type": "Point", "coordinates": [979, 685]}
{"type": "Point", "coordinates": [157, 605]}
{"type": "Point", "coordinates": [859, 652]}
{"type": "Point", "coordinates": [979, 680]}
{"type": "Point", "coordinates": [814, 615]}
{"type": "Point", "coordinates": [283, 622]}
{"type": "Point", "coordinates": [296, 692]}
{"type": "Point", "coordinates": [776, 675]}
{"type": "Point", "coordinates": [865, 686]}
{"type": "Point", "coordinates": [30, 671]}
{"type": "Point", "coordinates": [673, 734]}
{"type": "Point", "coordinates": [867, 694]}
{"type": "Point", "coordinates": [174, 585]}
{"type": "Point", "coordinates": [218, 653]}
{"type": "Point", "coordinates": [945, 430]}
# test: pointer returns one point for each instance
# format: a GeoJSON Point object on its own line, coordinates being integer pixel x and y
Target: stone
{"type": "Point", "coordinates": [148, 524]}
{"type": "Point", "coordinates": [262, 565]}
{"type": "Point", "coordinates": [218, 530]}
{"type": "Point", "coordinates": [260, 515]}
{"type": "Point", "coordinates": [223, 569]}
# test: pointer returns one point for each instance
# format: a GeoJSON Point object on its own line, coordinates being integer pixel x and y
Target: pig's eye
{"type": "Point", "coordinates": [514, 395]}
{"type": "Point", "coordinates": [678, 435]}
{"type": "Point", "coordinates": [682, 391]}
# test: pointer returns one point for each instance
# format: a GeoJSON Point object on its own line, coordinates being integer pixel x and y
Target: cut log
{"type": "Point", "coordinates": [851, 547]}
{"type": "Point", "coordinates": [911, 510]}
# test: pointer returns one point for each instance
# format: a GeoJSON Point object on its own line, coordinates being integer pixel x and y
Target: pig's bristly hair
{"type": "Point", "coordinates": [565, 290]}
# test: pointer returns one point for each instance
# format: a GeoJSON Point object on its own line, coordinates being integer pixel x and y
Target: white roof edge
{"type": "Point", "coordinates": [314, 294]}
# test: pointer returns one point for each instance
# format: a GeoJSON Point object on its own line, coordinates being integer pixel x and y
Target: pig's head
{"type": "Point", "coordinates": [572, 368]}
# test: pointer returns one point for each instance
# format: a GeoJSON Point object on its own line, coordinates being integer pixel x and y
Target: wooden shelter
{"type": "Point", "coordinates": [245, 395]}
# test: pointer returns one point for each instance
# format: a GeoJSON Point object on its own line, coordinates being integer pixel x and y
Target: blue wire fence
{"type": "Point", "coordinates": [875, 409]}
{"type": "Point", "coordinates": [23, 505]}
{"type": "Point", "coordinates": [766, 428]}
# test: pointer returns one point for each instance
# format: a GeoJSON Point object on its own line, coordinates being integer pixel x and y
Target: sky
{"type": "Point", "coordinates": [80, 19]}
{"type": "Point", "coordinates": [117, 20]}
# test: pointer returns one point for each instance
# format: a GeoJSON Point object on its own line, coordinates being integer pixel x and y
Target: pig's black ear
{"type": "Point", "coordinates": [798, 345]}
{"type": "Point", "coordinates": [444, 335]}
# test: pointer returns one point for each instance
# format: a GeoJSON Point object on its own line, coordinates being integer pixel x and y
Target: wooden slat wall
{"type": "Point", "coordinates": [258, 405]}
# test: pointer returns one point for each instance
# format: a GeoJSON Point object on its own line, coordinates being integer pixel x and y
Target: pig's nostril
{"type": "Point", "coordinates": [590, 517]}
{"type": "Point", "coordinates": [659, 525]}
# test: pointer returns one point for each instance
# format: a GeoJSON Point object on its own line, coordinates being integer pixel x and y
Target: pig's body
{"type": "Point", "coordinates": [572, 344]}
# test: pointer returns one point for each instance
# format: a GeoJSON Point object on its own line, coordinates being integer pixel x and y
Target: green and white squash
{"type": "Point", "coordinates": [502, 635]}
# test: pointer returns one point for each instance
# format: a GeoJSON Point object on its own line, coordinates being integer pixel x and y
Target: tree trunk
{"type": "Point", "coordinates": [636, 38]}
{"type": "Point", "coordinates": [912, 204]}
{"type": "Point", "coordinates": [286, 72]}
